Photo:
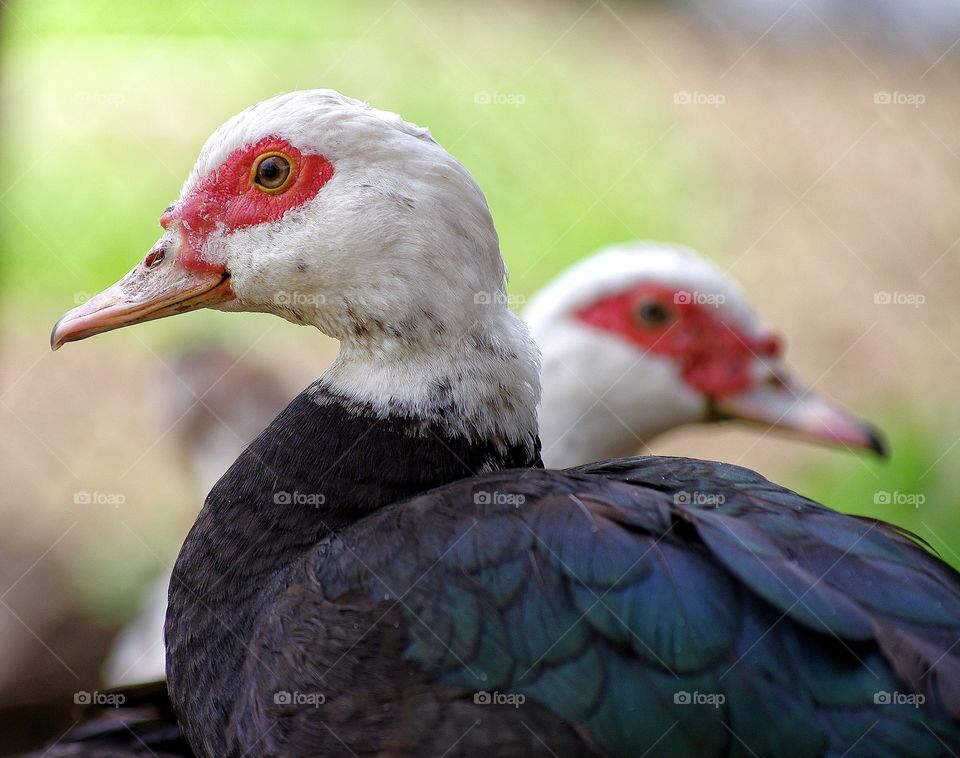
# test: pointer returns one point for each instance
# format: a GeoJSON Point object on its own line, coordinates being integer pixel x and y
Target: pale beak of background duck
{"type": "Point", "coordinates": [146, 293]}
{"type": "Point", "coordinates": [787, 405]}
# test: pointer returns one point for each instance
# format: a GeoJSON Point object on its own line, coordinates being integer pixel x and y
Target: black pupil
{"type": "Point", "coordinates": [273, 171]}
{"type": "Point", "coordinates": [653, 313]}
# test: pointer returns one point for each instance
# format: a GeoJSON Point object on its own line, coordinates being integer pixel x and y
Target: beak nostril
{"type": "Point", "coordinates": [776, 381]}
{"type": "Point", "coordinates": [154, 258]}
{"type": "Point", "coordinates": [769, 346]}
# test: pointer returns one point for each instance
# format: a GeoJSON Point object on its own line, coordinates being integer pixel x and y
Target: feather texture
{"type": "Point", "coordinates": [611, 614]}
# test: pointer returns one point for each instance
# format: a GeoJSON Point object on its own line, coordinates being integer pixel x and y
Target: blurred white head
{"type": "Point", "coordinates": [643, 337]}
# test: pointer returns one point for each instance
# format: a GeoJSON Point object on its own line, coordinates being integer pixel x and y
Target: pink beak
{"type": "Point", "coordinates": [785, 404]}
{"type": "Point", "coordinates": [164, 288]}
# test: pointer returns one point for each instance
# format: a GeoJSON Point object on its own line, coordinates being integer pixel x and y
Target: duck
{"type": "Point", "coordinates": [648, 289]}
{"type": "Point", "coordinates": [388, 568]}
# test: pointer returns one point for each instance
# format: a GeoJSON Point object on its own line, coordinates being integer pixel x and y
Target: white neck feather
{"type": "Point", "coordinates": [602, 398]}
{"type": "Point", "coordinates": [482, 384]}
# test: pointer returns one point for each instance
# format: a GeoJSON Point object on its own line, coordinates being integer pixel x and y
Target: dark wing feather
{"type": "Point", "coordinates": [630, 617]}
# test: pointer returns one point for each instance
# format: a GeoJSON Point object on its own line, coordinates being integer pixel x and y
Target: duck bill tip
{"type": "Point", "coordinates": [142, 295]}
{"type": "Point", "coordinates": [799, 411]}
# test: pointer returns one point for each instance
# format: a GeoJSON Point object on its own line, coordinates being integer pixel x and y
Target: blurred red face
{"type": "Point", "coordinates": [714, 356]}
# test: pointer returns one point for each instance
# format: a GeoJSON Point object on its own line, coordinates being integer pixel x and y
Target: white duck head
{"type": "Point", "coordinates": [644, 337]}
{"type": "Point", "coordinates": [326, 211]}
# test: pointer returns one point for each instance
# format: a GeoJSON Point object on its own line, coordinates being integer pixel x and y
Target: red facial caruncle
{"type": "Point", "coordinates": [256, 184]}
{"type": "Point", "coordinates": [714, 355]}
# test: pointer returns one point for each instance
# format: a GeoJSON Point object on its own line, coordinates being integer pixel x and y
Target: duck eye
{"type": "Point", "coordinates": [653, 313]}
{"type": "Point", "coordinates": [272, 172]}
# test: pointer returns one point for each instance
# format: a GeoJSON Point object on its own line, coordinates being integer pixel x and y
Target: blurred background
{"type": "Point", "coordinates": [811, 148]}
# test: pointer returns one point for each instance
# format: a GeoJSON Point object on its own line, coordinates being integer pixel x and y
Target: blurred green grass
{"type": "Point", "coordinates": [912, 489]}
{"type": "Point", "coordinates": [105, 113]}
{"type": "Point", "coordinates": [105, 109]}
